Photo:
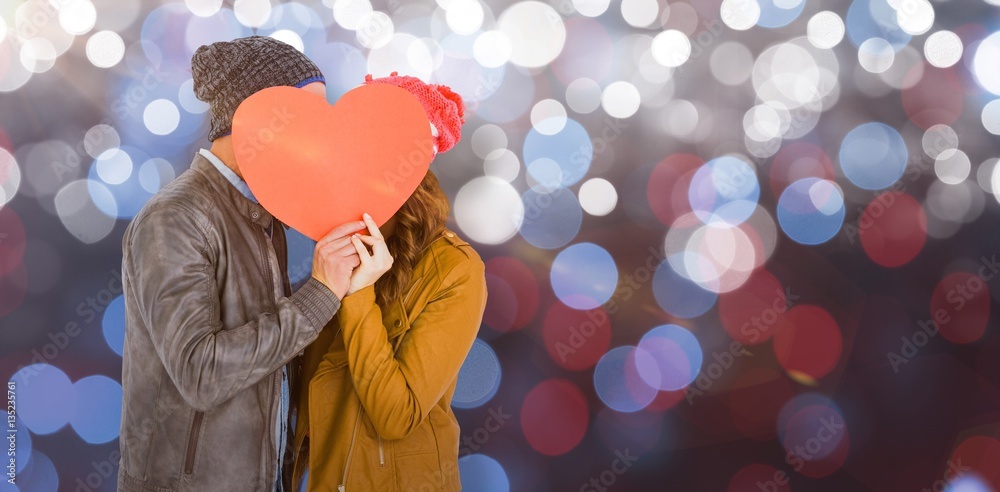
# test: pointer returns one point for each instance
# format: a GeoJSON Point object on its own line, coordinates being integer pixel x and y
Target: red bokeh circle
{"type": "Point", "coordinates": [752, 313]}
{"type": "Point", "coordinates": [934, 99]}
{"type": "Point", "coordinates": [514, 298]}
{"type": "Point", "coordinates": [667, 190]}
{"type": "Point", "coordinates": [893, 229]}
{"type": "Point", "coordinates": [554, 417]}
{"type": "Point", "coordinates": [981, 455]}
{"type": "Point", "coordinates": [576, 339]}
{"type": "Point", "coordinates": [810, 343]}
{"type": "Point", "coordinates": [960, 306]}
{"type": "Point", "coordinates": [11, 240]}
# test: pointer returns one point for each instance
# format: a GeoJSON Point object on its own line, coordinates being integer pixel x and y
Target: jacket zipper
{"type": "Point", "coordinates": [273, 451]}
{"type": "Point", "coordinates": [381, 454]}
{"type": "Point", "coordinates": [193, 442]}
{"type": "Point", "coordinates": [267, 263]}
{"type": "Point", "coordinates": [350, 451]}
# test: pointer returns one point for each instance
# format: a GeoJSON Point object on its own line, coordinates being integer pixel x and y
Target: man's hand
{"type": "Point", "coordinates": [374, 264]}
{"type": "Point", "coordinates": [336, 257]}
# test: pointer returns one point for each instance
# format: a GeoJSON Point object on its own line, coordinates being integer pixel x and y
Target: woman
{"type": "Point", "coordinates": [375, 414]}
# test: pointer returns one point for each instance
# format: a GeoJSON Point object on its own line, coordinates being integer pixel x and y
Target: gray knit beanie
{"type": "Point", "coordinates": [227, 72]}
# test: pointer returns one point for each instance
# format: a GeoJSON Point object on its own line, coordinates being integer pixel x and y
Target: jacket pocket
{"type": "Point", "coordinates": [130, 483]}
{"type": "Point", "coordinates": [421, 441]}
{"type": "Point", "coordinates": [418, 472]}
{"type": "Point", "coordinates": [192, 447]}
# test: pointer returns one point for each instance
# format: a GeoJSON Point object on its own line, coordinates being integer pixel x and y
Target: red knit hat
{"type": "Point", "coordinates": [444, 107]}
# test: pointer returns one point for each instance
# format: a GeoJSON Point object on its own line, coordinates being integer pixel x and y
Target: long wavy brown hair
{"type": "Point", "coordinates": [418, 222]}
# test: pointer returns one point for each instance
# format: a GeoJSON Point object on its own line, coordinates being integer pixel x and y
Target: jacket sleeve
{"type": "Point", "coordinates": [172, 279]}
{"type": "Point", "coordinates": [399, 391]}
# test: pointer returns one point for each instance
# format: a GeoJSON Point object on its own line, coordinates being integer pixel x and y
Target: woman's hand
{"type": "Point", "coordinates": [374, 264]}
{"type": "Point", "coordinates": [335, 258]}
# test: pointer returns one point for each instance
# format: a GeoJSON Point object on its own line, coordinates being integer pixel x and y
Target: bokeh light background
{"type": "Point", "coordinates": [730, 245]}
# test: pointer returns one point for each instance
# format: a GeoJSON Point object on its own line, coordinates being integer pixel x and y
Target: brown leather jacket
{"type": "Point", "coordinates": [208, 329]}
{"type": "Point", "coordinates": [377, 407]}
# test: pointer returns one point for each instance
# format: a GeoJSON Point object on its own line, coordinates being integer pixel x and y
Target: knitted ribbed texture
{"type": "Point", "coordinates": [444, 107]}
{"type": "Point", "coordinates": [227, 72]}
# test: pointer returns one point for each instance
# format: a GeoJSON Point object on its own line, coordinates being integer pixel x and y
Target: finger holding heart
{"type": "Point", "coordinates": [374, 263]}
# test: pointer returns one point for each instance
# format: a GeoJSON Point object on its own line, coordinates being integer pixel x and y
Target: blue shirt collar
{"type": "Point", "coordinates": [229, 174]}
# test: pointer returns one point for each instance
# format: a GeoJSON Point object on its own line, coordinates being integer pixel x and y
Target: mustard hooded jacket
{"type": "Point", "coordinates": [374, 408]}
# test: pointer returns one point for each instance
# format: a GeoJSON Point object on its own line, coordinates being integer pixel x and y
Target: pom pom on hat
{"type": "Point", "coordinates": [444, 106]}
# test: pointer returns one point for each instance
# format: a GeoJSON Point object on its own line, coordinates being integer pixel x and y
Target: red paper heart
{"type": "Point", "coordinates": [316, 166]}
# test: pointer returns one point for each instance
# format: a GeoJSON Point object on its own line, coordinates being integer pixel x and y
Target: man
{"type": "Point", "coordinates": [210, 317]}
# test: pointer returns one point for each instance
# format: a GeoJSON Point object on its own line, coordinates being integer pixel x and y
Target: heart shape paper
{"type": "Point", "coordinates": [315, 166]}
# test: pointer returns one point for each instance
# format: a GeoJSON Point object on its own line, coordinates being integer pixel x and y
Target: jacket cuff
{"type": "Point", "coordinates": [358, 304]}
{"type": "Point", "coordinates": [317, 302]}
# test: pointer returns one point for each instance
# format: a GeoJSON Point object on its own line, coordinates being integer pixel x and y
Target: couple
{"type": "Point", "coordinates": [234, 382]}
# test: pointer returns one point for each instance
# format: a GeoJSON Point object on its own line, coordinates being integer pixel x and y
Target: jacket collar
{"type": "Point", "coordinates": [252, 211]}
{"type": "Point", "coordinates": [229, 174]}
